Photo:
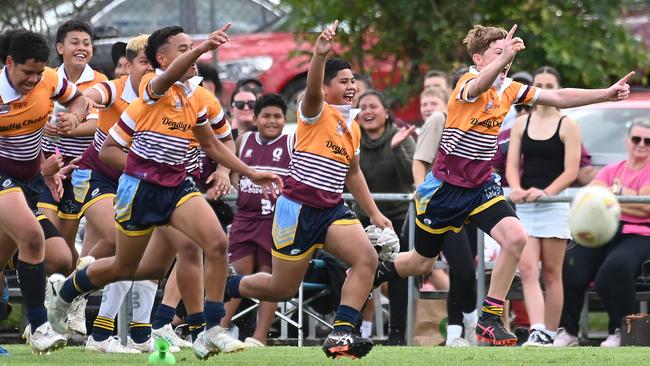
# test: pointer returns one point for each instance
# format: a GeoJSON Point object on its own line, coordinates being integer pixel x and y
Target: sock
{"type": "Point", "coordinates": [196, 323]}
{"type": "Point", "coordinates": [366, 329]}
{"type": "Point", "coordinates": [232, 286]}
{"type": "Point", "coordinates": [385, 272]}
{"type": "Point", "coordinates": [76, 285]}
{"type": "Point", "coordinates": [538, 326]}
{"type": "Point", "coordinates": [213, 311]}
{"type": "Point", "coordinates": [453, 332]}
{"type": "Point", "coordinates": [103, 328]}
{"type": "Point", "coordinates": [143, 295]}
{"type": "Point", "coordinates": [140, 332]}
{"type": "Point", "coordinates": [491, 306]}
{"type": "Point", "coordinates": [345, 319]}
{"type": "Point", "coordinates": [470, 319]}
{"type": "Point", "coordinates": [31, 278]}
{"type": "Point", "coordinates": [164, 315]}
{"type": "Point", "coordinates": [551, 333]}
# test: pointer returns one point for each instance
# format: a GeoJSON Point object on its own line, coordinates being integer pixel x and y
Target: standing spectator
{"type": "Point", "coordinates": [253, 84]}
{"type": "Point", "coordinates": [121, 64]}
{"type": "Point", "coordinates": [549, 145]}
{"type": "Point", "coordinates": [614, 266]}
{"type": "Point", "coordinates": [458, 250]}
{"type": "Point", "coordinates": [241, 111]}
{"type": "Point", "coordinates": [437, 78]}
{"type": "Point", "coordinates": [387, 151]}
{"type": "Point", "coordinates": [363, 83]}
{"type": "Point", "coordinates": [211, 80]}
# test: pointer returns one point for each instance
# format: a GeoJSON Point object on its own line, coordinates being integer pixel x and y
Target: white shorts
{"type": "Point", "coordinates": [545, 220]}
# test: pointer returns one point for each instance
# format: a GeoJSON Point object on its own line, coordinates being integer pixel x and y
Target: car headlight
{"type": "Point", "coordinates": [244, 68]}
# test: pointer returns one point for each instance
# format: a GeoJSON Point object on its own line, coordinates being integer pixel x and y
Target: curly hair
{"type": "Point", "coordinates": [479, 38]}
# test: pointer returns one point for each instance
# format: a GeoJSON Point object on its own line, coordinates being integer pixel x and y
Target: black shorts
{"type": "Point", "coordinates": [88, 187]}
{"type": "Point", "coordinates": [442, 207]}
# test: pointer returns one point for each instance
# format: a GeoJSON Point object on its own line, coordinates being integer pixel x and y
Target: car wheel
{"type": "Point", "coordinates": [290, 93]}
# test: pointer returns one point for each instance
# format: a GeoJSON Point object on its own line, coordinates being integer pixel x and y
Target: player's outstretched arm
{"type": "Point", "coordinates": [356, 184]}
{"type": "Point", "coordinates": [312, 102]}
{"type": "Point", "coordinates": [486, 77]}
{"type": "Point", "coordinates": [182, 63]}
{"type": "Point", "coordinates": [570, 97]}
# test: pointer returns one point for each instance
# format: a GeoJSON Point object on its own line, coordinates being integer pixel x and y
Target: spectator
{"type": "Point", "coordinates": [211, 79]}
{"type": "Point", "coordinates": [387, 151]}
{"type": "Point", "coordinates": [458, 251]}
{"type": "Point", "coordinates": [437, 78]}
{"type": "Point", "coordinates": [363, 83]}
{"type": "Point", "coordinates": [549, 145]}
{"type": "Point", "coordinates": [241, 111]}
{"type": "Point", "coordinates": [253, 84]}
{"type": "Point", "coordinates": [121, 64]}
{"type": "Point", "coordinates": [614, 266]}
{"type": "Point", "coordinates": [250, 243]}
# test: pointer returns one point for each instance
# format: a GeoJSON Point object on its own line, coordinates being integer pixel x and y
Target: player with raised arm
{"type": "Point", "coordinates": [461, 186]}
{"type": "Point", "coordinates": [310, 214]}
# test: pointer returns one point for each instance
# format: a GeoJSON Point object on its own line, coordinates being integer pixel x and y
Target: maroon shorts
{"type": "Point", "coordinates": [251, 237]}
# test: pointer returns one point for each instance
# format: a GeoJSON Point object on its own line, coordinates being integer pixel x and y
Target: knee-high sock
{"type": "Point", "coordinates": [144, 294]}
{"type": "Point", "coordinates": [112, 298]}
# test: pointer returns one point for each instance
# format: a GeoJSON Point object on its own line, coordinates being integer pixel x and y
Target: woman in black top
{"type": "Point", "coordinates": [547, 144]}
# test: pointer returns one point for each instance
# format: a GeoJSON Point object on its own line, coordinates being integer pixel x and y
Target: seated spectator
{"type": "Point", "coordinates": [250, 244]}
{"type": "Point", "coordinates": [615, 266]}
{"type": "Point", "coordinates": [387, 151]}
{"type": "Point", "coordinates": [543, 159]}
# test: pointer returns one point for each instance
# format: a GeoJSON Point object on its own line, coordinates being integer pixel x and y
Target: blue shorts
{"type": "Point", "coordinates": [88, 187]}
{"type": "Point", "coordinates": [441, 207]}
{"type": "Point", "coordinates": [140, 206]}
{"type": "Point", "coordinates": [298, 230]}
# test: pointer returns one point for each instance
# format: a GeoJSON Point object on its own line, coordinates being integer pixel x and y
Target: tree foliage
{"type": "Point", "coordinates": [584, 39]}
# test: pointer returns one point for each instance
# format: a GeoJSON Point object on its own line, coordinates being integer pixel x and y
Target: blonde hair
{"type": "Point", "coordinates": [479, 38]}
{"type": "Point", "coordinates": [435, 91]}
{"type": "Point", "coordinates": [135, 45]}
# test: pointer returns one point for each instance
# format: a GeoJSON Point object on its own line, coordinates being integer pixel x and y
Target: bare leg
{"type": "Point", "coordinates": [553, 251]}
{"type": "Point", "coordinates": [510, 234]}
{"type": "Point", "coordinates": [529, 272]}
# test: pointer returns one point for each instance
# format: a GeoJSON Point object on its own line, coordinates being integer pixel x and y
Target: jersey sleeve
{"type": "Point", "coordinates": [526, 94]}
{"type": "Point", "coordinates": [108, 92]}
{"type": "Point", "coordinates": [146, 91]}
{"type": "Point", "coordinates": [216, 116]}
{"type": "Point", "coordinates": [461, 93]}
{"type": "Point", "coordinates": [357, 137]}
{"type": "Point", "coordinates": [63, 91]}
{"type": "Point", "coordinates": [123, 130]}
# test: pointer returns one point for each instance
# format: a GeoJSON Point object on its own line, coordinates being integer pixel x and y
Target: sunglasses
{"type": "Point", "coordinates": [240, 104]}
{"type": "Point", "coordinates": [637, 140]}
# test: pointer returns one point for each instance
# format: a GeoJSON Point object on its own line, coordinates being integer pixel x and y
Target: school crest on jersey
{"type": "Point", "coordinates": [177, 103]}
{"type": "Point", "coordinates": [340, 128]}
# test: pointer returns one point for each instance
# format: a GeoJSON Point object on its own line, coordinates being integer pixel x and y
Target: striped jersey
{"type": "Point", "coordinates": [22, 118]}
{"type": "Point", "coordinates": [218, 123]}
{"type": "Point", "coordinates": [324, 148]}
{"type": "Point", "coordinates": [158, 130]}
{"type": "Point", "coordinates": [469, 139]}
{"type": "Point", "coordinates": [71, 147]}
{"type": "Point", "coordinates": [266, 156]}
{"type": "Point", "coordinates": [116, 95]}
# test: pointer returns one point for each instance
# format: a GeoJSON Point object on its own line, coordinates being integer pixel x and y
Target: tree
{"type": "Point", "coordinates": [40, 15]}
{"type": "Point", "coordinates": [584, 39]}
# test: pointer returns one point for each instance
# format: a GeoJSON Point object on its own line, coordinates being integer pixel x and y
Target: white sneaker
{"type": "Point", "coordinates": [77, 316]}
{"type": "Point", "coordinates": [52, 286]}
{"type": "Point", "coordinates": [147, 346]}
{"type": "Point", "coordinates": [538, 338]}
{"type": "Point", "coordinates": [613, 340]}
{"type": "Point", "coordinates": [564, 339]}
{"type": "Point", "coordinates": [214, 341]}
{"type": "Point", "coordinates": [251, 342]}
{"type": "Point", "coordinates": [456, 342]}
{"type": "Point", "coordinates": [45, 340]}
{"type": "Point", "coordinates": [470, 334]}
{"type": "Point", "coordinates": [168, 333]}
{"type": "Point", "coordinates": [57, 314]}
{"type": "Point", "coordinates": [109, 345]}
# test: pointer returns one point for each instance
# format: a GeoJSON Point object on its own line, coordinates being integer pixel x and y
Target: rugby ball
{"type": "Point", "coordinates": [594, 216]}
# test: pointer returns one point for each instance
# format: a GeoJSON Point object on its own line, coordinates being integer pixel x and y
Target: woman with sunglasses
{"type": "Point", "coordinates": [241, 111]}
{"type": "Point", "coordinates": [615, 266]}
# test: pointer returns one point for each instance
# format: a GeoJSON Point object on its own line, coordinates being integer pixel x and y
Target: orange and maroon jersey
{"type": "Point", "coordinates": [116, 95]}
{"type": "Point", "coordinates": [158, 130]}
{"type": "Point", "coordinates": [71, 147]}
{"type": "Point", "coordinates": [22, 118]}
{"type": "Point", "coordinates": [469, 139]}
{"type": "Point", "coordinates": [324, 148]}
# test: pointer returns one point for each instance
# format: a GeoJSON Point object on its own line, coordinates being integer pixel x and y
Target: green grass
{"type": "Point", "coordinates": [21, 355]}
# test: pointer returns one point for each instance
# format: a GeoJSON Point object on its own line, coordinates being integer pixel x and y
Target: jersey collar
{"type": "Point", "coordinates": [347, 112]}
{"type": "Point", "coordinates": [189, 87]}
{"type": "Point", "coordinates": [87, 75]}
{"type": "Point", "coordinates": [128, 94]}
{"type": "Point", "coordinates": [499, 85]}
{"type": "Point", "coordinates": [7, 91]}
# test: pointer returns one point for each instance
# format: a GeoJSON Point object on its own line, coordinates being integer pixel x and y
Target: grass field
{"type": "Point", "coordinates": [71, 356]}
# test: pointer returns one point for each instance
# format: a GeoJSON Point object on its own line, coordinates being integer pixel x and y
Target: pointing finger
{"type": "Point", "coordinates": [225, 27]}
{"type": "Point", "coordinates": [335, 25]}
{"type": "Point", "coordinates": [625, 79]}
{"type": "Point", "coordinates": [512, 32]}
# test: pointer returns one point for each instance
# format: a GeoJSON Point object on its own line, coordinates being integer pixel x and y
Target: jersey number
{"type": "Point", "coordinates": [267, 207]}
